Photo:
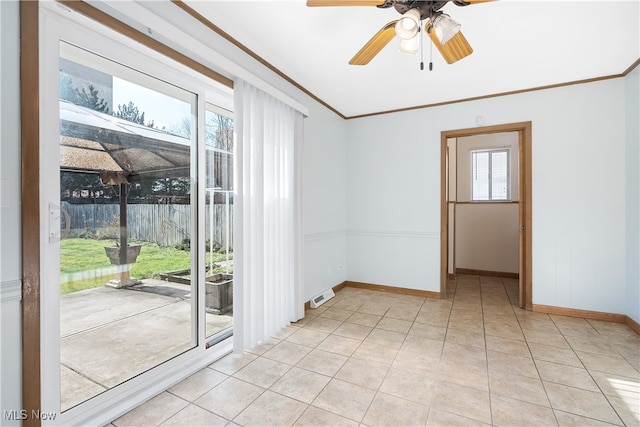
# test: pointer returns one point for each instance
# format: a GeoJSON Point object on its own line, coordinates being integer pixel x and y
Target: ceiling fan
{"type": "Point", "coordinates": [443, 31]}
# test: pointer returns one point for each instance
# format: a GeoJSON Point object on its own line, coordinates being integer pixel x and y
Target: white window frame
{"type": "Point", "coordinates": [491, 152]}
{"type": "Point", "coordinates": [56, 24]}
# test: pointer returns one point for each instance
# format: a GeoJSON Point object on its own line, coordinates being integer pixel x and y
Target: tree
{"type": "Point", "coordinates": [223, 131]}
{"type": "Point", "coordinates": [152, 125]}
{"type": "Point", "coordinates": [171, 187]}
{"type": "Point", "coordinates": [78, 187]}
{"type": "Point", "coordinates": [91, 99]}
{"type": "Point", "coordinates": [67, 91]}
{"type": "Point", "coordinates": [181, 128]}
{"type": "Point", "coordinates": [218, 131]}
{"type": "Point", "coordinates": [130, 112]}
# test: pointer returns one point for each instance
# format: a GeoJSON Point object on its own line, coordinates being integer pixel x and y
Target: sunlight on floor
{"type": "Point", "coordinates": [629, 393]}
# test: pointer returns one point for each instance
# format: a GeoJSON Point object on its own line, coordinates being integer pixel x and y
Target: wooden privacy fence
{"type": "Point", "coordinates": [164, 224]}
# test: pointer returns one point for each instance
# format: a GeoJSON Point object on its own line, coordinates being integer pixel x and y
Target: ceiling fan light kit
{"type": "Point", "coordinates": [443, 31]}
{"type": "Point", "coordinates": [410, 46]}
{"type": "Point", "coordinates": [408, 26]}
{"type": "Point", "coordinates": [445, 27]}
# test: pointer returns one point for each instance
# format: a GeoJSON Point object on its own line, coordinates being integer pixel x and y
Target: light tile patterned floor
{"type": "Point", "coordinates": [373, 358]}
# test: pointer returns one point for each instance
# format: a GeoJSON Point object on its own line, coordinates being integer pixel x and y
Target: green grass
{"type": "Point", "coordinates": [88, 255]}
{"type": "Point", "coordinates": [81, 285]}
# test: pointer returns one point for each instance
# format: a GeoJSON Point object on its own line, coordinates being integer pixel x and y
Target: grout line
{"type": "Point", "coordinates": [590, 376]}
{"type": "Point", "coordinates": [488, 292]}
{"type": "Point", "coordinates": [486, 353]}
{"type": "Point", "coordinates": [546, 393]}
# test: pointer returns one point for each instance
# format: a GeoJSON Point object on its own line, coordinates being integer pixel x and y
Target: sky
{"type": "Point", "coordinates": [162, 109]}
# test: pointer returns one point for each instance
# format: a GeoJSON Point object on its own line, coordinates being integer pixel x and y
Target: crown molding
{"type": "Point", "coordinates": [270, 66]}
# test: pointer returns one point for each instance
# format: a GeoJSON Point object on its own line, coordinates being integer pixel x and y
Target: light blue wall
{"type": "Point", "coordinates": [632, 156]}
{"type": "Point", "coordinates": [10, 267]}
{"type": "Point", "coordinates": [578, 197]}
{"type": "Point", "coordinates": [393, 200]}
{"type": "Point", "coordinates": [10, 134]}
{"type": "Point", "coordinates": [324, 202]}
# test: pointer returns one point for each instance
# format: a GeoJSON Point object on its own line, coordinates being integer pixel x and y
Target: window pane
{"type": "Point", "coordinates": [490, 175]}
{"type": "Point", "coordinates": [499, 175]}
{"type": "Point", "coordinates": [480, 175]}
{"type": "Point", "coordinates": [219, 221]}
{"type": "Point", "coordinates": [126, 301]}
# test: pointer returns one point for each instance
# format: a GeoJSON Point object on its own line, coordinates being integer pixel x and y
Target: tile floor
{"type": "Point", "coordinates": [373, 358]}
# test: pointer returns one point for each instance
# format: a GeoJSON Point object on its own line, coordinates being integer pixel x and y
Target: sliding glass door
{"type": "Point", "coordinates": [136, 188]}
{"type": "Point", "coordinates": [126, 164]}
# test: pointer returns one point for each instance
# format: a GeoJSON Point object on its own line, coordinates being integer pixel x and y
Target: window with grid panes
{"type": "Point", "coordinates": [490, 175]}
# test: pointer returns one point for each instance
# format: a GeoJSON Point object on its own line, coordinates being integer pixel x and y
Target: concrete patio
{"type": "Point", "coordinates": [109, 335]}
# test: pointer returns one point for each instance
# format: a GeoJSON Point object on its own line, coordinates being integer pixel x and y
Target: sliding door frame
{"type": "Point", "coordinates": [30, 208]}
{"type": "Point", "coordinates": [43, 25]}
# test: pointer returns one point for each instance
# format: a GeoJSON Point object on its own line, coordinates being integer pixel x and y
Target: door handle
{"type": "Point", "coordinates": [55, 233]}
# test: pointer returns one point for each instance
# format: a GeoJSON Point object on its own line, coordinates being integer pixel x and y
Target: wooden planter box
{"type": "Point", "coordinates": [218, 289]}
{"type": "Point", "coordinates": [113, 252]}
{"type": "Point", "coordinates": [177, 276]}
{"type": "Point", "coordinates": [219, 293]}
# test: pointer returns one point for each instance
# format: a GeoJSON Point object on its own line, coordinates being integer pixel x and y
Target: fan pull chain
{"type": "Point", "coordinates": [431, 55]}
{"type": "Point", "coordinates": [421, 48]}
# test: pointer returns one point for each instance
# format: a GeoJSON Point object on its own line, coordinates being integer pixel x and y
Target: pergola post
{"type": "Point", "coordinates": [124, 268]}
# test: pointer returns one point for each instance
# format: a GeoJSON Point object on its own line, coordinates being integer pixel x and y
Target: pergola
{"type": "Point", "coordinates": [120, 152]}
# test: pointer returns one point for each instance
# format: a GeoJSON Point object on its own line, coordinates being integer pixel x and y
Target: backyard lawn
{"type": "Point", "coordinates": [88, 255]}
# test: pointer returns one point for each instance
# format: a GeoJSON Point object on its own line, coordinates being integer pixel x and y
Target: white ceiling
{"type": "Point", "coordinates": [517, 45]}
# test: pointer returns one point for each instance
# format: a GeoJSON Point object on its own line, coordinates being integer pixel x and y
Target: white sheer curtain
{"type": "Point", "coordinates": [268, 292]}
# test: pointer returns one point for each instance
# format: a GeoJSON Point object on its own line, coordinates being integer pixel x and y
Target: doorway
{"type": "Point", "coordinates": [523, 131]}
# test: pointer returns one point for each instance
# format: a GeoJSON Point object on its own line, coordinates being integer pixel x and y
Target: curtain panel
{"type": "Point", "coordinates": [268, 257]}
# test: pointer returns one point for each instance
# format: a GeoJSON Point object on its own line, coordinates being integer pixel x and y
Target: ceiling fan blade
{"type": "Point", "coordinates": [375, 45]}
{"type": "Point", "coordinates": [454, 50]}
{"type": "Point", "coordinates": [345, 2]}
